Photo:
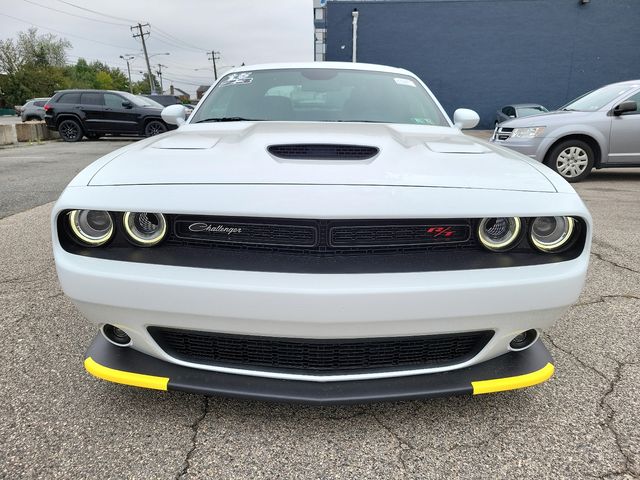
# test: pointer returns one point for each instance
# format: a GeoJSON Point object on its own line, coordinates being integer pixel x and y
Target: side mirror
{"type": "Point", "coordinates": [624, 107]}
{"type": "Point", "coordinates": [465, 118]}
{"type": "Point", "coordinates": [127, 104]}
{"type": "Point", "coordinates": [174, 114]}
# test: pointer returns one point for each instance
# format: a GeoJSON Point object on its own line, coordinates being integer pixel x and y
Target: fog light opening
{"type": "Point", "coordinates": [115, 335]}
{"type": "Point", "coordinates": [524, 340]}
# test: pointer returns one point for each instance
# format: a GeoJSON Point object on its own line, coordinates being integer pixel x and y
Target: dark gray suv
{"type": "Point", "coordinates": [600, 129]}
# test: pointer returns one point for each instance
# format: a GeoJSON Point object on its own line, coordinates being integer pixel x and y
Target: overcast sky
{"type": "Point", "coordinates": [249, 31]}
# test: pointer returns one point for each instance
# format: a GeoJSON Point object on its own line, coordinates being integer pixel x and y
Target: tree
{"type": "Point", "coordinates": [33, 66]}
{"type": "Point", "coordinates": [96, 75]}
{"type": "Point", "coordinates": [31, 49]}
{"type": "Point", "coordinates": [143, 86]}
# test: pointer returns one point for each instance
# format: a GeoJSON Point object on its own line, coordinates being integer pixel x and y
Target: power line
{"type": "Point", "coordinates": [173, 45]}
{"type": "Point", "coordinates": [128, 20]}
{"type": "Point", "coordinates": [61, 32]}
{"type": "Point", "coordinates": [182, 81]}
{"type": "Point", "coordinates": [176, 39]}
{"type": "Point", "coordinates": [74, 15]}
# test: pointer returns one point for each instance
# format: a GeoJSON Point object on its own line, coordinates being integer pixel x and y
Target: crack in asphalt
{"type": "Point", "coordinates": [602, 298]}
{"type": "Point", "coordinates": [195, 427]}
{"type": "Point", "coordinates": [602, 403]}
{"type": "Point", "coordinates": [576, 358]}
{"type": "Point", "coordinates": [608, 421]}
{"type": "Point", "coordinates": [400, 441]}
{"type": "Point", "coordinates": [615, 264]}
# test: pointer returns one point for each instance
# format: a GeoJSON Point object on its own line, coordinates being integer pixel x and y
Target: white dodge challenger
{"type": "Point", "coordinates": [323, 233]}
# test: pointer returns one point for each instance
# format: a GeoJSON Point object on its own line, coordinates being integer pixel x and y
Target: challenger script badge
{"type": "Point", "coordinates": [205, 227]}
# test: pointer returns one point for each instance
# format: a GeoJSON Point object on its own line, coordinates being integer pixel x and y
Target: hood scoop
{"type": "Point", "coordinates": [185, 142]}
{"type": "Point", "coordinates": [458, 145]}
{"type": "Point", "coordinates": [322, 151]}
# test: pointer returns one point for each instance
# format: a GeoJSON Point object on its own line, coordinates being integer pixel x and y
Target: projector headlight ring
{"type": "Point", "coordinates": [91, 227]}
{"type": "Point", "coordinates": [499, 233]}
{"type": "Point", "coordinates": [144, 229]}
{"type": "Point", "coordinates": [551, 234]}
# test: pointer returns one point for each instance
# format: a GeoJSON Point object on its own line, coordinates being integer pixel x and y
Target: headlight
{"type": "Point", "coordinates": [529, 132]}
{"type": "Point", "coordinates": [91, 227]}
{"type": "Point", "coordinates": [550, 234]}
{"type": "Point", "coordinates": [498, 234]}
{"type": "Point", "coordinates": [145, 229]}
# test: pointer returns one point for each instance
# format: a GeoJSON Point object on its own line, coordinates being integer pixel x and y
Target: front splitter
{"type": "Point", "coordinates": [507, 372]}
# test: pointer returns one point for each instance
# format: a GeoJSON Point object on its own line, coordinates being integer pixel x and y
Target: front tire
{"type": "Point", "coordinates": [572, 159]}
{"type": "Point", "coordinates": [70, 131]}
{"type": "Point", "coordinates": [154, 127]}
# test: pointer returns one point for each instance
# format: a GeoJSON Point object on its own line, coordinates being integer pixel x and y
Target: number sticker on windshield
{"type": "Point", "coordinates": [238, 79]}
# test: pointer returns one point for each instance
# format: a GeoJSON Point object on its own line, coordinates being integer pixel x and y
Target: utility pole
{"type": "Point", "coordinates": [159, 72]}
{"type": "Point", "coordinates": [127, 59]}
{"type": "Point", "coordinates": [214, 56]}
{"type": "Point", "coordinates": [141, 34]}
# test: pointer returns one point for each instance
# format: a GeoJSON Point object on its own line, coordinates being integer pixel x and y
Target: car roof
{"type": "Point", "coordinates": [628, 83]}
{"type": "Point", "coordinates": [325, 65]}
{"type": "Point", "coordinates": [80, 90]}
{"type": "Point", "coordinates": [524, 105]}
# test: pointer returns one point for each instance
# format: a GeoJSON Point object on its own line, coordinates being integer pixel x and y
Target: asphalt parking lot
{"type": "Point", "coordinates": [56, 421]}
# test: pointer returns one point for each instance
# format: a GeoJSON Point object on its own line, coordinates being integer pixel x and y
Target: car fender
{"type": "Point", "coordinates": [570, 130]}
{"type": "Point", "coordinates": [68, 115]}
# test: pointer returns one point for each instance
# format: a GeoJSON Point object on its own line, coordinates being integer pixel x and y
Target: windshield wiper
{"type": "Point", "coordinates": [357, 121]}
{"type": "Point", "coordinates": [229, 119]}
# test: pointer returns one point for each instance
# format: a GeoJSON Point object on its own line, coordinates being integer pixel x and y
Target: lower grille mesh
{"type": "Point", "coordinates": [319, 356]}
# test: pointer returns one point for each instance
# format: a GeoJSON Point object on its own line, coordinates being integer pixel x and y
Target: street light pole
{"type": "Point", "coordinates": [127, 59]}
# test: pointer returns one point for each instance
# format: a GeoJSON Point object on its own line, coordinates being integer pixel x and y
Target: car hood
{"type": "Point", "coordinates": [558, 117]}
{"type": "Point", "coordinates": [236, 153]}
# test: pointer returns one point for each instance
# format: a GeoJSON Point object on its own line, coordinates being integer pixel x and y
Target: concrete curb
{"type": "Point", "coordinates": [26, 132]}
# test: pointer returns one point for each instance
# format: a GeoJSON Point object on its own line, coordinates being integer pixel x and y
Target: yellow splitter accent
{"type": "Point", "coordinates": [126, 378]}
{"type": "Point", "coordinates": [512, 383]}
{"type": "Point", "coordinates": [161, 383]}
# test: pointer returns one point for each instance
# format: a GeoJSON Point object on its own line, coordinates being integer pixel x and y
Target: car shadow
{"type": "Point", "coordinates": [622, 174]}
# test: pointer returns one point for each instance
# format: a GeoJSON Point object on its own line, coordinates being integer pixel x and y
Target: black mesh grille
{"type": "Point", "coordinates": [321, 237]}
{"type": "Point", "coordinates": [316, 151]}
{"type": "Point", "coordinates": [403, 234]}
{"type": "Point", "coordinates": [246, 232]}
{"type": "Point", "coordinates": [319, 356]}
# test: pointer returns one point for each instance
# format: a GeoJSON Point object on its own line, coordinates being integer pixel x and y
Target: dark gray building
{"type": "Point", "coordinates": [483, 54]}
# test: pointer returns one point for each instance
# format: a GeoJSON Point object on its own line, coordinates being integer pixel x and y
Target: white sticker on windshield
{"type": "Point", "coordinates": [237, 79]}
{"type": "Point", "coordinates": [404, 81]}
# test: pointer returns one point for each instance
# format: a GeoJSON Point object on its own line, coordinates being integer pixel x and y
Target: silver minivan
{"type": "Point", "coordinates": [600, 129]}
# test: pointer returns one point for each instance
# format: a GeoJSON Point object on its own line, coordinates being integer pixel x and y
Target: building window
{"type": "Point", "coordinates": [318, 13]}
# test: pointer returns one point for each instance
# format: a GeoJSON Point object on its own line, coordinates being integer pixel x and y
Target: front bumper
{"type": "Point", "coordinates": [506, 300]}
{"type": "Point", "coordinates": [506, 372]}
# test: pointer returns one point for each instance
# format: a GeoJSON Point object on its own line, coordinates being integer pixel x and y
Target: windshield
{"type": "Point", "coordinates": [320, 95]}
{"type": "Point", "coordinates": [528, 111]}
{"type": "Point", "coordinates": [147, 102]}
{"type": "Point", "coordinates": [595, 100]}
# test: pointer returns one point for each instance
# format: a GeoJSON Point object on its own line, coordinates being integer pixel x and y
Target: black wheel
{"type": "Point", "coordinates": [154, 127]}
{"type": "Point", "coordinates": [70, 131]}
{"type": "Point", "coordinates": [573, 159]}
